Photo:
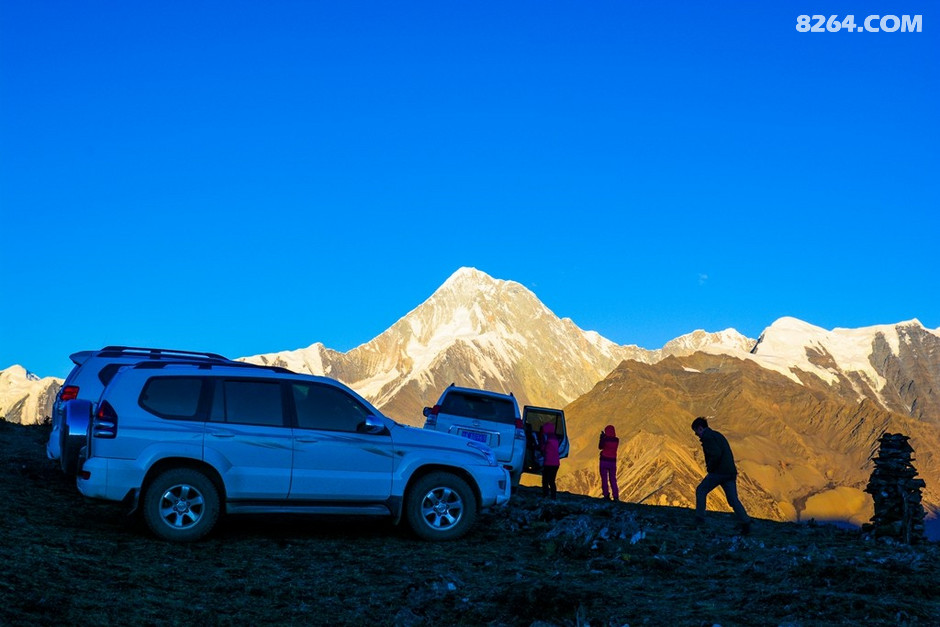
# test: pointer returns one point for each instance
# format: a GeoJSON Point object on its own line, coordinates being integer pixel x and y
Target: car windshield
{"type": "Point", "coordinates": [478, 406]}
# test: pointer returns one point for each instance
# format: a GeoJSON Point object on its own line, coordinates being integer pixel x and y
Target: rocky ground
{"type": "Point", "coordinates": [575, 561]}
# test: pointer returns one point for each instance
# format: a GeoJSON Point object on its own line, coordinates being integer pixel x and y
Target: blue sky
{"type": "Point", "coordinates": [247, 177]}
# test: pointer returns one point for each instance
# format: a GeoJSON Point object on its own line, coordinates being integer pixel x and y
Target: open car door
{"type": "Point", "coordinates": [533, 419]}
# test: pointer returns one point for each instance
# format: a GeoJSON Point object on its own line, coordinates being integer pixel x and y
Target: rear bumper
{"type": "Point", "coordinates": [53, 448]}
{"type": "Point", "coordinates": [108, 479]}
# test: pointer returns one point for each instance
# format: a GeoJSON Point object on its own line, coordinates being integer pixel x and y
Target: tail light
{"type": "Point", "coordinates": [105, 422]}
{"type": "Point", "coordinates": [69, 393]}
{"type": "Point", "coordinates": [520, 430]}
{"type": "Point", "coordinates": [431, 415]}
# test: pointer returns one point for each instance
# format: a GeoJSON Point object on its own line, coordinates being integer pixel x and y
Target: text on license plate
{"type": "Point", "coordinates": [474, 435]}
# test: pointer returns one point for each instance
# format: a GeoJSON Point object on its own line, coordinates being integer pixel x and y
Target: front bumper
{"type": "Point", "coordinates": [499, 483]}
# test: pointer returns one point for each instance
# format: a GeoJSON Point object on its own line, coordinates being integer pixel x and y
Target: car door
{"type": "Point", "coordinates": [534, 418]}
{"type": "Point", "coordinates": [248, 439]}
{"type": "Point", "coordinates": [333, 459]}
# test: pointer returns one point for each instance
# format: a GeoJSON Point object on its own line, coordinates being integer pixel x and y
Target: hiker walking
{"type": "Point", "coordinates": [608, 444]}
{"type": "Point", "coordinates": [721, 471]}
{"type": "Point", "coordinates": [549, 446]}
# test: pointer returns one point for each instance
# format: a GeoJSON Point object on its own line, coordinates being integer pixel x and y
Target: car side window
{"type": "Point", "coordinates": [250, 402]}
{"type": "Point", "coordinates": [326, 407]}
{"type": "Point", "coordinates": [176, 398]}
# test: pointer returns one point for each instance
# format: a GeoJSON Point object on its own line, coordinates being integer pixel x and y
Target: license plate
{"type": "Point", "coordinates": [474, 435]}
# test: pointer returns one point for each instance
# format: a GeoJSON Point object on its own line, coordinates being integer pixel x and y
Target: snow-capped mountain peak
{"type": "Point", "coordinates": [24, 397]}
{"type": "Point", "coordinates": [868, 360]}
{"type": "Point", "coordinates": [728, 340]}
{"type": "Point", "coordinates": [474, 330]}
{"type": "Point", "coordinates": [467, 278]}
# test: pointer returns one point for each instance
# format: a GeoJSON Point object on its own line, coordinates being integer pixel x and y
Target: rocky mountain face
{"type": "Point", "coordinates": [896, 366]}
{"type": "Point", "coordinates": [25, 398]}
{"type": "Point", "coordinates": [481, 332]}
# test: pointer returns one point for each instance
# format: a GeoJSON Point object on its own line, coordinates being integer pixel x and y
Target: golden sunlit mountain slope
{"type": "Point", "coordinates": [802, 452]}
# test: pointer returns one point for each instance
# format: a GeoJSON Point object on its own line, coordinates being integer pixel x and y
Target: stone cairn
{"type": "Point", "coordinates": [899, 513]}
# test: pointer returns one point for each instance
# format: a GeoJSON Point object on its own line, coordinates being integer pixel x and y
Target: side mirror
{"type": "Point", "coordinates": [372, 426]}
{"type": "Point", "coordinates": [426, 411]}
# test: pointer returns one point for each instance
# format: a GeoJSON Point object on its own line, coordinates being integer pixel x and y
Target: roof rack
{"type": "Point", "coordinates": [207, 365]}
{"type": "Point", "coordinates": [156, 353]}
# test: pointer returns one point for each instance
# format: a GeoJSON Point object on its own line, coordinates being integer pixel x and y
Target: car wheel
{"type": "Point", "coordinates": [181, 505]}
{"type": "Point", "coordinates": [440, 506]}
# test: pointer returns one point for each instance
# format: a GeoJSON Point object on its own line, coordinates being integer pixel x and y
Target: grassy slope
{"type": "Point", "coordinates": [64, 560]}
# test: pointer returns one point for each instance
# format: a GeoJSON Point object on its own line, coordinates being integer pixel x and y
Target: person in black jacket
{"type": "Point", "coordinates": [719, 463]}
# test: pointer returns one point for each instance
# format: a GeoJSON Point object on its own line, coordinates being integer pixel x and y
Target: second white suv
{"type": "Point", "coordinates": [482, 416]}
{"type": "Point", "coordinates": [185, 442]}
{"type": "Point", "coordinates": [493, 419]}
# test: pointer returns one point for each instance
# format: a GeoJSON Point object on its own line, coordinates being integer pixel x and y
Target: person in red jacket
{"type": "Point", "coordinates": [549, 445]}
{"type": "Point", "coordinates": [608, 464]}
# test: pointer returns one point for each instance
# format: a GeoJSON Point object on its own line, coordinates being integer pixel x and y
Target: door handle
{"type": "Point", "coordinates": [307, 440]}
{"type": "Point", "coordinates": [222, 435]}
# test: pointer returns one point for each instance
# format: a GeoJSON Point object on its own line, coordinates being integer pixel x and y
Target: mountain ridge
{"type": "Point", "coordinates": [478, 331]}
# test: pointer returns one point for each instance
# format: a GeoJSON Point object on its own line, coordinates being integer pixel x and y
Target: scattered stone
{"type": "Point", "coordinates": [406, 618]}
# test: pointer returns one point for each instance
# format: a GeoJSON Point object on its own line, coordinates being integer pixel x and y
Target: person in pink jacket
{"type": "Point", "coordinates": [608, 464]}
{"type": "Point", "coordinates": [549, 445]}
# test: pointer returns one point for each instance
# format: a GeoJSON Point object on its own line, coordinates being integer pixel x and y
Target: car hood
{"type": "Point", "coordinates": [444, 443]}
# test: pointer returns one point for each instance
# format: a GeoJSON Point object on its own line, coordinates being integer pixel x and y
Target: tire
{"type": "Point", "coordinates": [440, 506]}
{"type": "Point", "coordinates": [181, 505]}
{"type": "Point", "coordinates": [68, 453]}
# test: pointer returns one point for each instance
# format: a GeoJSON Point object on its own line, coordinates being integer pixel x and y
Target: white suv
{"type": "Point", "coordinates": [185, 442]}
{"type": "Point", "coordinates": [75, 402]}
{"type": "Point", "coordinates": [493, 419]}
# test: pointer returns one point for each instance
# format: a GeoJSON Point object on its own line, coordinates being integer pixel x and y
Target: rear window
{"type": "Point", "coordinates": [176, 398]}
{"type": "Point", "coordinates": [480, 407]}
